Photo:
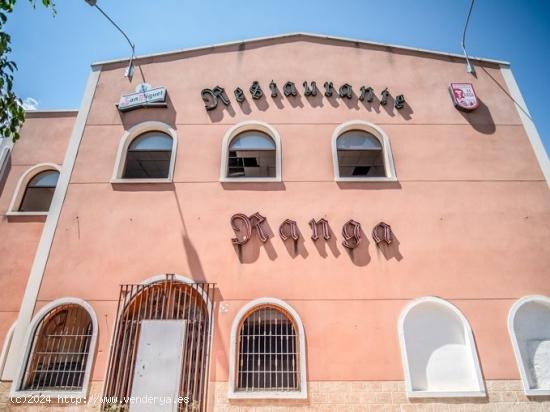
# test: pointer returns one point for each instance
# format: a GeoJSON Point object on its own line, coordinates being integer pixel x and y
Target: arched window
{"type": "Point", "coordinates": [251, 152]}
{"type": "Point", "coordinates": [60, 349]}
{"type": "Point", "coordinates": [268, 352]}
{"type": "Point", "coordinates": [146, 154]}
{"type": "Point", "coordinates": [438, 351]}
{"type": "Point", "coordinates": [529, 328]}
{"type": "Point", "coordinates": [34, 191]}
{"type": "Point", "coordinates": [39, 192]}
{"type": "Point", "coordinates": [361, 152]}
{"type": "Point", "coordinates": [149, 156]}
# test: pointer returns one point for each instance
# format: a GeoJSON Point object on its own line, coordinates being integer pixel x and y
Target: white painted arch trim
{"type": "Point", "coordinates": [129, 136]}
{"type": "Point", "coordinates": [232, 393]}
{"type": "Point", "coordinates": [544, 300]}
{"type": "Point", "coordinates": [411, 393]}
{"type": "Point", "coordinates": [386, 149]}
{"type": "Point", "coordinates": [28, 343]}
{"type": "Point", "coordinates": [13, 209]}
{"type": "Point", "coordinates": [250, 125]}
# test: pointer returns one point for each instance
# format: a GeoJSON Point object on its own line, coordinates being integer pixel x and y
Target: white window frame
{"type": "Point", "coordinates": [247, 126]}
{"type": "Point", "coordinates": [129, 136]}
{"type": "Point", "coordinates": [470, 343]}
{"type": "Point", "coordinates": [544, 300]}
{"type": "Point", "coordinates": [377, 132]}
{"type": "Point", "coordinates": [29, 338]}
{"type": "Point", "coordinates": [13, 209]}
{"type": "Point", "coordinates": [245, 310]}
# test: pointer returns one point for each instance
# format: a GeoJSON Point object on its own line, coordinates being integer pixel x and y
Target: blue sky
{"type": "Point", "coordinates": [54, 53]}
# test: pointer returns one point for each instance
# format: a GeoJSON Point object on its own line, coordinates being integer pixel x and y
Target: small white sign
{"type": "Point", "coordinates": [141, 99]}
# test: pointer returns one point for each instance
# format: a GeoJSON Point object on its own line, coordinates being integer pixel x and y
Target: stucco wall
{"type": "Point", "coordinates": [470, 210]}
{"type": "Point", "coordinates": [44, 138]}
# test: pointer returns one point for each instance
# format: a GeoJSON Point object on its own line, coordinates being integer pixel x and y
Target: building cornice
{"type": "Point", "coordinates": [301, 36]}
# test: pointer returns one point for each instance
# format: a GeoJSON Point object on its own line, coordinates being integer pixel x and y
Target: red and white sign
{"type": "Point", "coordinates": [463, 95]}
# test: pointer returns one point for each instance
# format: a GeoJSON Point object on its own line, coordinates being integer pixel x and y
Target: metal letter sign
{"type": "Point", "coordinates": [324, 227]}
{"type": "Point", "coordinates": [290, 89]}
{"type": "Point", "coordinates": [352, 234]}
{"type": "Point", "coordinates": [463, 95]}
{"type": "Point", "coordinates": [399, 101]}
{"type": "Point", "coordinates": [345, 91]}
{"type": "Point", "coordinates": [247, 228]}
{"type": "Point", "coordinates": [143, 98]}
{"type": "Point", "coordinates": [367, 93]}
{"type": "Point", "coordinates": [289, 229]}
{"type": "Point", "coordinates": [329, 89]}
{"type": "Point", "coordinates": [384, 97]}
{"type": "Point", "coordinates": [256, 91]}
{"type": "Point", "coordinates": [382, 233]}
{"type": "Point", "coordinates": [273, 87]}
{"type": "Point", "coordinates": [310, 91]}
{"type": "Point", "coordinates": [211, 96]}
{"type": "Point", "coordinates": [255, 221]}
{"type": "Point", "coordinates": [239, 95]}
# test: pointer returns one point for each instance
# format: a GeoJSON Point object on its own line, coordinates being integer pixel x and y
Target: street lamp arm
{"type": "Point", "coordinates": [119, 29]}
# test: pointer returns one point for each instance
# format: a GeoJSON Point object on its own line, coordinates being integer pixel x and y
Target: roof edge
{"type": "Point", "coordinates": [50, 112]}
{"type": "Point", "coordinates": [303, 34]}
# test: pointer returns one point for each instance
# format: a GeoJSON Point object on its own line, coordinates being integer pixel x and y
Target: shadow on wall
{"type": "Point", "coordinates": [480, 119]}
{"type": "Point", "coordinates": [297, 247]}
{"type": "Point", "coordinates": [260, 187]}
{"type": "Point", "coordinates": [360, 255]}
{"type": "Point", "coordinates": [165, 114]}
{"type": "Point", "coordinates": [390, 251]}
{"type": "Point", "coordinates": [250, 252]}
{"type": "Point", "coordinates": [321, 244]}
{"type": "Point", "coordinates": [369, 186]}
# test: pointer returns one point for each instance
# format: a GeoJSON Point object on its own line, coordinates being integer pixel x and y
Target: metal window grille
{"type": "Point", "coordinates": [166, 300]}
{"type": "Point", "coordinates": [60, 350]}
{"type": "Point", "coordinates": [268, 355]}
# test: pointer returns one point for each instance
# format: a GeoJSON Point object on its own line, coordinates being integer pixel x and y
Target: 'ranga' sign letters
{"type": "Point", "coordinates": [243, 225]}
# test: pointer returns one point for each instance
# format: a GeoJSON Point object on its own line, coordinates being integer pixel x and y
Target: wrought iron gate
{"type": "Point", "coordinates": [164, 300]}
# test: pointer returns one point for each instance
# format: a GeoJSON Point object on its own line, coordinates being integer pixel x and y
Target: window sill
{"type": "Point", "coordinates": [26, 216]}
{"type": "Point", "coordinates": [250, 180]}
{"type": "Point", "coordinates": [366, 179]}
{"type": "Point", "coordinates": [537, 392]}
{"type": "Point", "coordinates": [13, 214]}
{"type": "Point", "coordinates": [140, 181]}
{"type": "Point", "coordinates": [446, 394]}
{"type": "Point", "coordinates": [267, 395]}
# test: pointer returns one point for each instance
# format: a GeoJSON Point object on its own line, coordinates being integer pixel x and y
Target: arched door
{"type": "Point", "coordinates": [153, 318]}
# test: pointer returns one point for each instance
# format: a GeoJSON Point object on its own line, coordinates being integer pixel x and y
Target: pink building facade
{"type": "Point", "coordinates": [239, 238]}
